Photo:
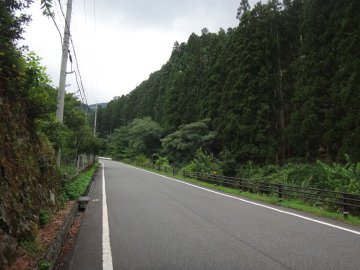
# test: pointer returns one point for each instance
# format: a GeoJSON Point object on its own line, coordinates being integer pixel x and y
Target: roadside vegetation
{"type": "Point", "coordinates": [189, 148]}
{"type": "Point", "coordinates": [74, 188]}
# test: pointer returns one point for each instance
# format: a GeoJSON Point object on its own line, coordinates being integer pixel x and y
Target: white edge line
{"type": "Point", "coordinates": [106, 248]}
{"type": "Point", "coordinates": [253, 203]}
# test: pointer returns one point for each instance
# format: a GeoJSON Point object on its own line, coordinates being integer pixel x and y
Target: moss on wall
{"type": "Point", "coordinates": [29, 180]}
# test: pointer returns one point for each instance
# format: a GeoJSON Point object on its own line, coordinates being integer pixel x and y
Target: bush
{"type": "Point", "coordinates": [141, 159]}
{"type": "Point", "coordinates": [75, 188]}
{"type": "Point", "coordinates": [205, 163]}
{"type": "Point", "coordinates": [161, 161]}
{"type": "Point", "coordinates": [337, 177]}
{"type": "Point", "coordinates": [44, 217]}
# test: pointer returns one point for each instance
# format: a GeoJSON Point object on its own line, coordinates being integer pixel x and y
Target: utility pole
{"type": "Point", "coordinates": [62, 80]}
{"type": "Point", "coordinates": [95, 120]}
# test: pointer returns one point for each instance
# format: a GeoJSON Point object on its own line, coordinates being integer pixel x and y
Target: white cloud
{"type": "Point", "coordinates": [131, 39]}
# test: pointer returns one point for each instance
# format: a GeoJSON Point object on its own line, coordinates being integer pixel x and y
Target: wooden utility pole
{"type": "Point", "coordinates": [62, 80]}
{"type": "Point", "coordinates": [64, 59]}
{"type": "Point", "coordinates": [95, 120]}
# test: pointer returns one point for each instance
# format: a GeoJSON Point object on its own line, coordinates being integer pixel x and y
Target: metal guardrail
{"type": "Point", "coordinates": [348, 203]}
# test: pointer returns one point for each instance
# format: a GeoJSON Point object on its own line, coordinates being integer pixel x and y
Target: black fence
{"type": "Point", "coordinates": [347, 203]}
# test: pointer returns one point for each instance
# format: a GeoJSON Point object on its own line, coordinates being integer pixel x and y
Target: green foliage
{"type": "Point", "coordinates": [11, 65]}
{"type": "Point", "coordinates": [39, 95]}
{"type": "Point", "coordinates": [46, 6]}
{"type": "Point", "coordinates": [228, 163]}
{"type": "Point", "coordinates": [342, 178]}
{"type": "Point", "coordinates": [32, 247]}
{"type": "Point", "coordinates": [118, 143]}
{"type": "Point", "coordinates": [44, 217]}
{"type": "Point", "coordinates": [74, 188]}
{"type": "Point", "coordinates": [75, 136]}
{"type": "Point", "coordinates": [141, 159]}
{"type": "Point", "coordinates": [161, 161]}
{"type": "Point", "coordinates": [44, 264]}
{"type": "Point", "coordinates": [140, 137]}
{"type": "Point", "coordinates": [144, 135]}
{"type": "Point", "coordinates": [337, 177]}
{"type": "Point", "coordinates": [180, 147]}
{"type": "Point", "coordinates": [205, 163]}
{"type": "Point", "coordinates": [53, 130]}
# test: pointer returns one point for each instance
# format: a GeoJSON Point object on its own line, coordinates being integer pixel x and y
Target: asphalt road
{"type": "Point", "coordinates": [157, 223]}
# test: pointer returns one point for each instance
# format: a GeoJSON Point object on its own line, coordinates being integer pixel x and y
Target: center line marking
{"type": "Point", "coordinates": [106, 252]}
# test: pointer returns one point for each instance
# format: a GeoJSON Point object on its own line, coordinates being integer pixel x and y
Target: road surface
{"type": "Point", "coordinates": [154, 222]}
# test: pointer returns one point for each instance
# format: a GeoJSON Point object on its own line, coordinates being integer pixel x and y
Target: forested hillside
{"type": "Point", "coordinates": [282, 85]}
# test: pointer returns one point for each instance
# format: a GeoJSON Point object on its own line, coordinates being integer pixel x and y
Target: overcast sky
{"type": "Point", "coordinates": [119, 43]}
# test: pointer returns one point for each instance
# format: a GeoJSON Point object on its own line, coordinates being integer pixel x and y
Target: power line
{"type": "Point", "coordinates": [57, 8]}
{"type": "Point", "coordinates": [85, 15]}
{"type": "Point", "coordinates": [78, 70]}
{"type": "Point", "coordinates": [78, 85]}
{"type": "Point", "coordinates": [96, 66]}
{"type": "Point", "coordinates": [77, 73]}
{"type": "Point", "coordinates": [61, 38]}
{"type": "Point", "coordinates": [50, 14]}
{"type": "Point", "coordinates": [61, 8]}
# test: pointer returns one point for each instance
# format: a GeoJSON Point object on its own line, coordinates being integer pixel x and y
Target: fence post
{"type": "Point", "coordinates": [241, 185]}
{"type": "Point", "coordinates": [236, 185]}
{"type": "Point", "coordinates": [280, 192]}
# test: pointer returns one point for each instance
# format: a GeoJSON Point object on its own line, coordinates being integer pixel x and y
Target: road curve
{"type": "Point", "coordinates": [158, 223]}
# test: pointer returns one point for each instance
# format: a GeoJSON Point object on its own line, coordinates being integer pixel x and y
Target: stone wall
{"type": "Point", "coordinates": [29, 181]}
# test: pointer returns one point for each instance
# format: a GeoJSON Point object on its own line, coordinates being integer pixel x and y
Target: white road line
{"type": "Point", "coordinates": [254, 203]}
{"type": "Point", "coordinates": [106, 253]}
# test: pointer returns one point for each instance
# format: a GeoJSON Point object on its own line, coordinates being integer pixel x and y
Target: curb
{"type": "Point", "coordinates": [57, 243]}
{"type": "Point", "coordinates": [54, 249]}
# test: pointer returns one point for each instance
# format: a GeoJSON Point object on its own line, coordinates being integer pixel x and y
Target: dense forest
{"type": "Point", "coordinates": [284, 85]}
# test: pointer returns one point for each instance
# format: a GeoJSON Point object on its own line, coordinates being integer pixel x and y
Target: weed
{"type": "Point", "coordinates": [44, 217]}
{"type": "Point", "coordinates": [77, 187]}
{"type": "Point", "coordinates": [32, 247]}
{"type": "Point", "coordinates": [44, 264]}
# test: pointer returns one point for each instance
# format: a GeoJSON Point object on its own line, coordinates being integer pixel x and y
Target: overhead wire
{"type": "Point", "coordinates": [52, 16]}
{"type": "Point", "coordinates": [61, 8]}
{"type": "Point", "coordinates": [57, 9]}
{"type": "Point", "coordinates": [85, 15]}
{"type": "Point", "coordinates": [78, 69]}
{"type": "Point", "coordinates": [78, 76]}
{"type": "Point", "coordinates": [53, 19]}
{"type": "Point", "coordinates": [95, 33]}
